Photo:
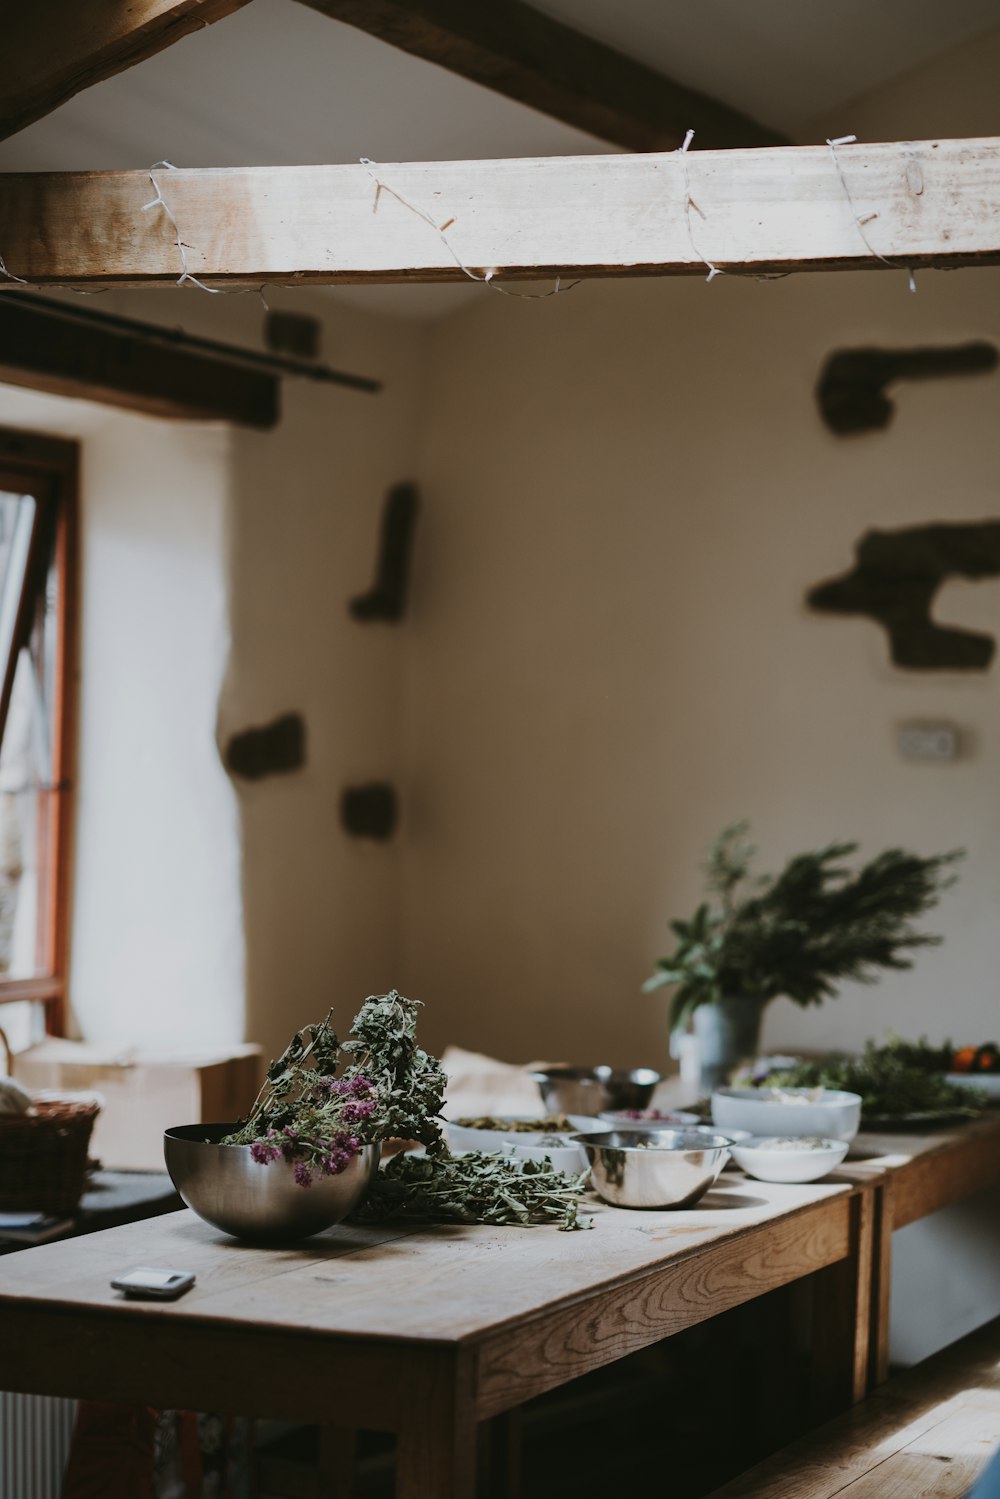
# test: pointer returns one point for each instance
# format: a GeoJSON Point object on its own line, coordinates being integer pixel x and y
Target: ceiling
{"type": "Point", "coordinates": [278, 83]}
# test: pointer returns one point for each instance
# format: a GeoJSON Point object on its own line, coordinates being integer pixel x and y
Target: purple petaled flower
{"type": "Point", "coordinates": [303, 1175]}
{"type": "Point", "coordinates": [263, 1153]}
{"type": "Point", "coordinates": [290, 1133]}
{"type": "Point", "coordinates": [353, 1113]}
{"type": "Point", "coordinates": [361, 1087]}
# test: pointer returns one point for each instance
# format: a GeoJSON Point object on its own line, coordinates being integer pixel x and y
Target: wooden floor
{"type": "Point", "coordinates": [925, 1435]}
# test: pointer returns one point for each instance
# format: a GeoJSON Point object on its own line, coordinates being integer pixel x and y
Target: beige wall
{"type": "Point", "coordinates": [629, 490]}
{"type": "Point", "coordinates": [217, 568]}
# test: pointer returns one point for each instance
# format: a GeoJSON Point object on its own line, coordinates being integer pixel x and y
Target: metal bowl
{"type": "Point", "coordinates": [224, 1185]}
{"type": "Point", "coordinates": [668, 1168]}
{"type": "Point", "coordinates": [592, 1090]}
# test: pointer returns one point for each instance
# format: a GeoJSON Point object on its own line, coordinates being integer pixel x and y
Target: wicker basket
{"type": "Point", "coordinates": [43, 1156]}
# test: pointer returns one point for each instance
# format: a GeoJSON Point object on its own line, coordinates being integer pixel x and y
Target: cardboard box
{"type": "Point", "coordinates": [144, 1092]}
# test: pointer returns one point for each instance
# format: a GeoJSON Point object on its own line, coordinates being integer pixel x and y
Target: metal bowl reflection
{"type": "Point", "coordinates": [592, 1090]}
{"type": "Point", "coordinates": [668, 1168]}
{"type": "Point", "coordinates": [224, 1185]}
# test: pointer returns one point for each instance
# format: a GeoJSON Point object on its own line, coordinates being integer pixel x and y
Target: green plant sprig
{"type": "Point", "coordinates": [802, 932]}
{"type": "Point", "coordinates": [473, 1188]}
{"type": "Point", "coordinates": [891, 1081]}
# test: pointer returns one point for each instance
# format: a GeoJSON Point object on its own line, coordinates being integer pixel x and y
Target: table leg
{"type": "Point", "coordinates": [842, 1317]}
{"type": "Point", "coordinates": [500, 1456]}
{"type": "Point", "coordinates": [878, 1360]}
{"type": "Point", "coordinates": [436, 1445]}
{"type": "Point", "coordinates": [338, 1447]}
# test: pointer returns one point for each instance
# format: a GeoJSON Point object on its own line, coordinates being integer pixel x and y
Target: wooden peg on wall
{"type": "Point", "coordinates": [386, 599]}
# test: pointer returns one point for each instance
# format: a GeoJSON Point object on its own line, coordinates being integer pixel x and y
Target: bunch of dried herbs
{"type": "Point", "coordinates": [473, 1188]}
{"type": "Point", "coordinates": [323, 1099]}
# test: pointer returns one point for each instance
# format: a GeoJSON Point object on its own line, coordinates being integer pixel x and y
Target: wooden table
{"type": "Point", "coordinates": [910, 1176]}
{"type": "Point", "coordinates": [428, 1332]}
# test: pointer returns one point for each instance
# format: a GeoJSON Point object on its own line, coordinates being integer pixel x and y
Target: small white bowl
{"type": "Point", "coordinates": [832, 1115]}
{"type": "Point", "coordinates": [788, 1165]}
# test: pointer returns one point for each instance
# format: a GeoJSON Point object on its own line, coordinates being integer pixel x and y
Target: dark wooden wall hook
{"type": "Point", "coordinates": [852, 385]}
{"type": "Point", "coordinates": [386, 599]}
{"type": "Point", "coordinates": [894, 580]}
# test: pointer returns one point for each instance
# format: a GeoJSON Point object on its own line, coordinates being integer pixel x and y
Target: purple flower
{"type": "Point", "coordinates": [303, 1175]}
{"type": "Point", "coordinates": [353, 1113]}
{"type": "Point", "coordinates": [263, 1153]}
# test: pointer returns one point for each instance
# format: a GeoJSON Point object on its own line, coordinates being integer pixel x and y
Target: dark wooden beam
{"type": "Point", "coordinates": [71, 358]}
{"type": "Point", "coordinates": [52, 49]}
{"type": "Point", "coordinates": [517, 51]}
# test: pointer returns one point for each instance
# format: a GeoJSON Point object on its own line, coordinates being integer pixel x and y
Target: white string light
{"type": "Point", "coordinates": [160, 202]}
{"type": "Point", "coordinates": [10, 274]}
{"type": "Point", "coordinates": [689, 203]}
{"type": "Point", "coordinates": [486, 278]}
{"type": "Point", "coordinates": [894, 265]}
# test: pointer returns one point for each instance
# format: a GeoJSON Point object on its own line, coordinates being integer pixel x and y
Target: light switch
{"type": "Point", "coordinates": [927, 741]}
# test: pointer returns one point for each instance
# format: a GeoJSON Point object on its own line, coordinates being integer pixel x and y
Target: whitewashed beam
{"type": "Point", "coordinates": [926, 203]}
{"type": "Point", "coordinates": [51, 49]}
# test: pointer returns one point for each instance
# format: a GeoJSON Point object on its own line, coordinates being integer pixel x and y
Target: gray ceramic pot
{"type": "Point", "coordinates": [728, 1035]}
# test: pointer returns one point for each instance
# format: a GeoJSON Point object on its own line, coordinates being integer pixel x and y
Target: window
{"type": "Point", "coordinates": [37, 566]}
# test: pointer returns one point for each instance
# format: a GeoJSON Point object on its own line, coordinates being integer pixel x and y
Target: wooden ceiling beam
{"type": "Point", "coordinates": [54, 48]}
{"type": "Point", "coordinates": [68, 358]}
{"type": "Point", "coordinates": [528, 56]}
{"type": "Point", "coordinates": [902, 206]}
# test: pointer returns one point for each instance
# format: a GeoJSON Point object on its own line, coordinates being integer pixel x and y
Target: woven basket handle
{"type": "Point", "coordinates": [8, 1054]}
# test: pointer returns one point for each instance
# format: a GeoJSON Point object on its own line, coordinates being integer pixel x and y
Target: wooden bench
{"type": "Point", "coordinates": [926, 1434]}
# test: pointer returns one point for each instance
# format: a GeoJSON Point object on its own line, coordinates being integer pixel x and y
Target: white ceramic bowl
{"type": "Point", "coordinates": [788, 1165]}
{"type": "Point", "coordinates": [986, 1082]}
{"type": "Point", "coordinates": [565, 1156]}
{"type": "Point", "coordinates": [833, 1115]}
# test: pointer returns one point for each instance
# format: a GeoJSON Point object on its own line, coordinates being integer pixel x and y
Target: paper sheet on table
{"type": "Point", "coordinates": [479, 1085]}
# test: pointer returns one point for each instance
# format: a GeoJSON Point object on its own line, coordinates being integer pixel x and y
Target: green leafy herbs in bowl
{"type": "Point", "coordinates": [895, 1083]}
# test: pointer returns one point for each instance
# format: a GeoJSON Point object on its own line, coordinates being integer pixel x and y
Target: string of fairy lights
{"type": "Point", "coordinates": [488, 277]}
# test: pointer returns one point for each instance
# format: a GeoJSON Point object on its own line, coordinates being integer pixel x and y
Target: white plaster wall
{"type": "Point", "coordinates": [217, 568]}
{"type": "Point", "coordinates": [629, 490]}
{"type": "Point", "coordinates": [157, 932]}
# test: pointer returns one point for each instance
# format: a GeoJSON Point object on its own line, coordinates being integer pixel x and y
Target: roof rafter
{"type": "Point", "coordinates": [906, 205]}
{"type": "Point", "coordinates": [528, 56]}
{"type": "Point", "coordinates": [54, 49]}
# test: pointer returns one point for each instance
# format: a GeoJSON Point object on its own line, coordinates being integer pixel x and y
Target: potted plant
{"type": "Point", "coordinates": [799, 933]}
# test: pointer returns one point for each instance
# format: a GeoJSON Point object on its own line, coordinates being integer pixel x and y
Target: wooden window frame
{"type": "Point", "coordinates": [48, 468]}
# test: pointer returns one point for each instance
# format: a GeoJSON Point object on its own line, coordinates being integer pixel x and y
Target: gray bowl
{"type": "Point", "coordinates": [668, 1168]}
{"type": "Point", "coordinates": [224, 1185]}
{"type": "Point", "coordinates": [593, 1090]}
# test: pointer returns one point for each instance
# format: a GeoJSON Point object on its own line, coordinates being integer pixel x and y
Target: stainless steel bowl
{"type": "Point", "coordinates": [592, 1090]}
{"type": "Point", "coordinates": [668, 1168]}
{"type": "Point", "coordinates": [224, 1185]}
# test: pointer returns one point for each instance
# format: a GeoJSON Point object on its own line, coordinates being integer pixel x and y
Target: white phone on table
{"type": "Point", "coordinates": [157, 1285]}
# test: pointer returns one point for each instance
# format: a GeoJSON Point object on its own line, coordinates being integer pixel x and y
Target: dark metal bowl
{"type": "Point", "coordinates": [229, 1189]}
{"type": "Point", "coordinates": [592, 1090]}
